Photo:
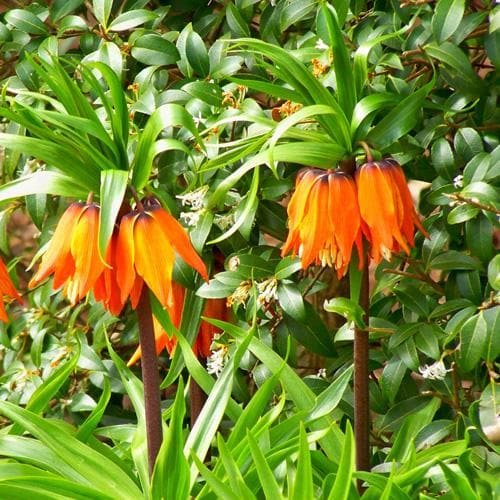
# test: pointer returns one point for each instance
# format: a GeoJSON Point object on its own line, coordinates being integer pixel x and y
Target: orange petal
{"type": "Point", "coordinates": [57, 257]}
{"type": "Point", "coordinates": [3, 312]}
{"type": "Point", "coordinates": [125, 271]}
{"type": "Point", "coordinates": [6, 285]}
{"type": "Point", "coordinates": [85, 251]}
{"type": "Point", "coordinates": [154, 257]}
{"type": "Point", "coordinates": [179, 239]}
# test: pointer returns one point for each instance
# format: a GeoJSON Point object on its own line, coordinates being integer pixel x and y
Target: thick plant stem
{"type": "Point", "coordinates": [361, 394]}
{"type": "Point", "coordinates": [150, 378]}
{"type": "Point", "coordinates": [197, 399]}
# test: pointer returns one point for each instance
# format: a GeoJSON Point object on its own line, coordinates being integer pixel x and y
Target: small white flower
{"type": "Point", "coordinates": [321, 45]}
{"type": "Point", "coordinates": [240, 295]}
{"type": "Point", "coordinates": [233, 263]}
{"type": "Point", "coordinates": [268, 290]}
{"type": "Point", "coordinates": [191, 219]}
{"type": "Point", "coordinates": [216, 361]}
{"type": "Point", "coordinates": [436, 371]}
{"type": "Point", "coordinates": [194, 198]}
{"type": "Point", "coordinates": [321, 373]}
{"type": "Point", "coordinates": [458, 181]}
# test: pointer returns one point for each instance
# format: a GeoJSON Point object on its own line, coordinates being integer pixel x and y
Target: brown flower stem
{"type": "Point", "coordinates": [90, 197]}
{"type": "Point", "coordinates": [150, 378]}
{"type": "Point", "coordinates": [197, 399]}
{"type": "Point", "coordinates": [361, 378]}
{"type": "Point", "coordinates": [367, 150]}
{"type": "Point", "coordinates": [138, 203]}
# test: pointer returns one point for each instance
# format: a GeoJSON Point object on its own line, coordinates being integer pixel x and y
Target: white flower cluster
{"type": "Point", "coordinates": [217, 360]}
{"type": "Point", "coordinates": [194, 199]}
{"type": "Point", "coordinates": [268, 291]}
{"type": "Point", "coordinates": [458, 181]}
{"type": "Point", "coordinates": [436, 371]}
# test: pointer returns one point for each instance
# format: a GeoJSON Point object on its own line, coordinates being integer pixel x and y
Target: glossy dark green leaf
{"type": "Point", "coordinates": [292, 302]}
{"type": "Point", "coordinates": [494, 273]}
{"type": "Point", "coordinates": [453, 260]}
{"type": "Point", "coordinates": [207, 92]}
{"type": "Point", "coordinates": [26, 21]}
{"type": "Point", "coordinates": [447, 18]}
{"type": "Point", "coordinates": [237, 25]}
{"type": "Point", "coordinates": [391, 378]}
{"type": "Point", "coordinates": [473, 338]}
{"type": "Point", "coordinates": [468, 143]}
{"type": "Point", "coordinates": [294, 11]}
{"type": "Point", "coordinates": [154, 50]}
{"type": "Point", "coordinates": [131, 19]}
{"type": "Point", "coordinates": [442, 159]}
{"type": "Point", "coordinates": [479, 234]}
{"type": "Point", "coordinates": [197, 54]}
{"type": "Point", "coordinates": [61, 8]}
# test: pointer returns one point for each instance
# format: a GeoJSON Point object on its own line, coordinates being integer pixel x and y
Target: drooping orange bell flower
{"type": "Point", "coordinates": [145, 248]}
{"type": "Point", "coordinates": [7, 289]}
{"type": "Point", "coordinates": [214, 308]}
{"type": "Point", "coordinates": [386, 207]}
{"type": "Point", "coordinates": [324, 220]}
{"type": "Point", "coordinates": [72, 255]}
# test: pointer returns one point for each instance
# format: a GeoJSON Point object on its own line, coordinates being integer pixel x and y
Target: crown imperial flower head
{"type": "Point", "coordinates": [324, 219]}
{"type": "Point", "coordinates": [386, 208]}
{"type": "Point", "coordinates": [72, 254]}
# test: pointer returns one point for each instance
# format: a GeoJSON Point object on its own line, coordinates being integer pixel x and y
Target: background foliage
{"type": "Point", "coordinates": [231, 99]}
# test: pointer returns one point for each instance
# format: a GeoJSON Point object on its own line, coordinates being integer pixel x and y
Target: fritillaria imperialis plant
{"type": "Point", "coordinates": [156, 149]}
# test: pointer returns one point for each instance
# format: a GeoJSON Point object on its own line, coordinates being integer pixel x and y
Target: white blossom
{"type": "Point", "coordinates": [216, 361]}
{"type": "Point", "coordinates": [268, 290]}
{"type": "Point", "coordinates": [194, 199]}
{"type": "Point", "coordinates": [191, 219]}
{"type": "Point", "coordinates": [436, 371]}
{"type": "Point", "coordinates": [458, 181]}
{"type": "Point", "coordinates": [224, 221]}
{"type": "Point", "coordinates": [240, 295]}
{"type": "Point", "coordinates": [321, 45]}
{"type": "Point", "coordinates": [321, 373]}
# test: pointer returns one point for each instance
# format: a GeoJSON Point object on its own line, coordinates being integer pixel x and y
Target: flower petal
{"type": "Point", "coordinates": [125, 271]}
{"type": "Point", "coordinates": [179, 239]}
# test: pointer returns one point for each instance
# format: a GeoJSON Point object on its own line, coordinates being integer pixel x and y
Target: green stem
{"type": "Point", "coordinates": [150, 378]}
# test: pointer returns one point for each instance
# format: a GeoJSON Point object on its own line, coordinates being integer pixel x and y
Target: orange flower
{"type": "Point", "coordinates": [72, 255]}
{"type": "Point", "coordinates": [8, 290]}
{"type": "Point", "coordinates": [145, 250]}
{"type": "Point", "coordinates": [386, 207]}
{"type": "Point", "coordinates": [214, 308]}
{"type": "Point", "coordinates": [324, 219]}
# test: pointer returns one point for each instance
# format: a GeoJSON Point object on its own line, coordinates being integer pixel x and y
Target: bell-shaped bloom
{"type": "Point", "coordinates": [72, 255]}
{"type": "Point", "coordinates": [7, 290]}
{"type": "Point", "coordinates": [323, 219]}
{"type": "Point", "coordinates": [145, 248]}
{"type": "Point", "coordinates": [214, 308]}
{"type": "Point", "coordinates": [386, 207]}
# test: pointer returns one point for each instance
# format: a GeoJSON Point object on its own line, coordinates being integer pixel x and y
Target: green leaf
{"type": "Point", "coordinates": [61, 8]}
{"type": "Point", "coordinates": [86, 429]}
{"type": "Point", "coordinates": [295, 10]}
{"type": "Point", "coordinates": [236, 23]}
{"type": "Point", "coordinates": [113, 186]}
{"type": "Point", "coordinates": [343, 480]}
{"type": "Point", "coordinates": [459, 484]}
{"type": "Point", "coordinates": [347, 308]}
{"type": "Point", "coordinates": [303, 483]}
{"type": "Point", "coordinates": [447, 18]}
{"type": "Point", "coordinates": [346, 90]}
{"type": "Point", "coordinates": [400, 120]}
{"type": "Point", "coordinates": [98, 471]}
{"type": "Point", "coordinates": [292, 302]}
{"type": "Point", "coordinates": [171, 473]}
{"type": "Point", "coordinates": [197, 54]}
{"type": "Point", "coordinates": [154, 50]}
{"type": "Point", "coordinates": [269, 484]}
{"type": "Point", "coordinates": [131, 19]}
{"type": "Point", "coordinates": [168, 115]}
{"type": "Point", "coordinates": [468, 143]}
{"type": "Point", "coordinates": [391, 378]}
{"type": "Point", "coordinates": [473, 341]}
{"type": "Point", "coordinates": [453, 260]}
{"type": "Point", "coordinates": [26, 21]}
{"type": "Point", "coordinates": [102, 10]}
{"type": "Point", "coordinates": [207, 92]}
{"type": "Point", "coordinates": [442, 159]}
{"type": "Point", "coordinates": [494, 273]}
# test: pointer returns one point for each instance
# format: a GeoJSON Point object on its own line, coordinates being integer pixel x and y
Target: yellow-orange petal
{"type": "Point", "coordinates": [125, 270]}
{"type": "Point", "coordinates": [179, 239]}
{"type": "Point", "coordinates": [85, 251]}
{"type": "Point", "coordinates": [154, 257]}
{"type": "Point", "coordinates": [57, 258]}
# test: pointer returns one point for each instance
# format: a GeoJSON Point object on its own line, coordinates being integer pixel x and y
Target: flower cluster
{"type": "Point", "coordinates": [330, 212]}
{"type": "Point", "coordinates": [141, 251]}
